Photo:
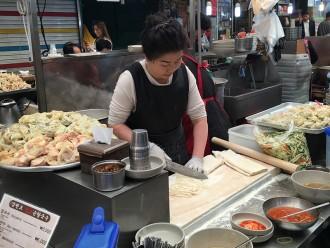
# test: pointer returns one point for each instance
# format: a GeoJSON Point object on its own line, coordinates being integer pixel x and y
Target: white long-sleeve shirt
{"type": "Point", "coordinates": [123, 101]}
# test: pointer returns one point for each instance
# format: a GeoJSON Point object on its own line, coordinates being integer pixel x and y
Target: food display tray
{"type": "Point", "coordinates": [98, 114]}
{"type": "Point", "coordinates": [41, 168]}
{"type": "Point", "coordinates": [17, 93]}
{"type": "Point", "coordinates": [258, 119]}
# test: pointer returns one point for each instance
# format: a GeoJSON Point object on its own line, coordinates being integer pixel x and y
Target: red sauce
{"type": "Point", "coordinates": [278, 212]}
{"type": "Point", "coordinates": [252, 225]}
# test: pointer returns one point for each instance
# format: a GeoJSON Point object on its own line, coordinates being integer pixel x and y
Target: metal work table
{"type": "Point", "coordinates": [71, 195]}
{"type": "Point", "coordinates": [251, 200]}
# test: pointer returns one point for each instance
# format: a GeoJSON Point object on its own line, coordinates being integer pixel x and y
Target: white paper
{"type": "Point", "coordinates": [25, 225]}
{"type": "Point", "coordinates": [102, 135]}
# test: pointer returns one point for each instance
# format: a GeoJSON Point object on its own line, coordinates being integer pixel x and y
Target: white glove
{"type": "Point", "coordinates": [196, 164]}
{"type": "Point", "coordinates": [155, 150]}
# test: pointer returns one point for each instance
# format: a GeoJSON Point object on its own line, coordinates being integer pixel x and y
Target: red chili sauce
{"type": "Point", "coordinates": [278, 212]}
{"type": "Point", "coordinates": [252, 225]}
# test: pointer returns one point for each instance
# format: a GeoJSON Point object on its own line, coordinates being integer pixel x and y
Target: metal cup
{"type": "Point", "coordinates": [140, 138]}
{"type": "Point", "coordinates": [139, 150]}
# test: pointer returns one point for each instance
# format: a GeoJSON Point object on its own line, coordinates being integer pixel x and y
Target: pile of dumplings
{"type": "Point", "coordinates": [309, 116]}
{"type": "Point", "coordinates": [45, 139]}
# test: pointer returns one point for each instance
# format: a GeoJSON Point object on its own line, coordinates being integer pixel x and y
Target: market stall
{"type": "Point", "coordinates": [69, 163]}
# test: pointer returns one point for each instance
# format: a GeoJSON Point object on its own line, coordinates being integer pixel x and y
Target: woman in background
{"type": "Point", "coordinates": [101, 32]}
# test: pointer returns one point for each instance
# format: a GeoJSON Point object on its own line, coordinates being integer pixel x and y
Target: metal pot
{"type": "Point", "coordinates": [9, 112]}
{"type": "Point", "coordinates": [243, 45]}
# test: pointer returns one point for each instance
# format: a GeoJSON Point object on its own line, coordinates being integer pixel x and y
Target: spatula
{"type": "Point", "coordinates": [246, 241]}
{"type": "Point", "coordinates": [306, 210]}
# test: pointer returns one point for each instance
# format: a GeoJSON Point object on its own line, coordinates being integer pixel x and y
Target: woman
{"type": "Point", "coordinates": [156, 92]}
{"type": "Point", "coordinates": [103, 45]}
{"type": "Point", "coordinates": [101, 32]}
{"type": "Point", "coordinates": [71, 48]}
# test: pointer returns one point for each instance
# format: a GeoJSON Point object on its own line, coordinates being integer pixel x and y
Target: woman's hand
{"type": "Point", "coordinates": [195, 163]}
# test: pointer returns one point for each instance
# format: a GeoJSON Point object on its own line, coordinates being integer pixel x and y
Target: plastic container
{"type": "Point", "coordinates": [99, 233]}
{"type": "Point", "coordinates": [243, 135]}
{"type": "Point", "coordinates": [220, 84]}
{"type": "Point", "coordinates": [327, 133]}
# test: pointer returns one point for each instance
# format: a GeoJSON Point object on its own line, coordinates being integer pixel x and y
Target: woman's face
{"type": "Point", "coordinates": [164, 67]}
{"type": "Point", "coordinates": [97, 31]}
{"type": "Point", "coordinates": [76, 49]}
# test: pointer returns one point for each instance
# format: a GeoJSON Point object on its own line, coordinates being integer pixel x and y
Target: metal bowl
{"type": "Point", "coordinates": [109, 181]}
{"type": "Point", "coordinates": [300, 178]}
{"type": "Point", "coordinates": [237, 218]}
{"type": "Point", "coordinates": [217, 237]}
{"type": "Point", "coordinates": [290, 202]}
{"type": "Point", "coordinates": [317, 167]}
{"type": "Point", "coordinates": [170, 233]}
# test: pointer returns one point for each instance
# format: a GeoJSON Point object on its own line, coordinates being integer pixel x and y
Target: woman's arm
{"type": "Point", "coordinates": [200, 131]}
{"type": "Point", "coordinates": [123, 132]}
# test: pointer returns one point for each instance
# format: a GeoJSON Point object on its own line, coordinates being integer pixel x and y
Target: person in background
{"type": "Point", "coordinates": [71, 48]}
{"type": "Point", "coordinates": [205, 33]}
{"type": "Point", "coordinates": [155, 93]}
{"type": "Point", "coordinates": [103, 45]}
{"type": "Point", "coordinates": [101, 32]}
{"type": "Point", "coordinates": [308, 25]}
{"type": "Point", "coordinates": [324, 27]}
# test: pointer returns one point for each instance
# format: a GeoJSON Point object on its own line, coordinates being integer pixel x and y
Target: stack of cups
{"type": "Point", "coordinates": [139, 150]}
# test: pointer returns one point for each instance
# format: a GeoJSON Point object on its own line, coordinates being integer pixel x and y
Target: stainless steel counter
{"type": "Point", "coordinates": [71, 195]}
{"type": "Point", "coordinates": [251, 200]}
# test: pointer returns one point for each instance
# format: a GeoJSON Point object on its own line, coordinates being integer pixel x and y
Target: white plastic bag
{"type": "Point", "coordinates": [262, 5]}
{"type": "Point", "coordinates": [268, 29]}
{"type": "Point", "coordinates": [205, 43]}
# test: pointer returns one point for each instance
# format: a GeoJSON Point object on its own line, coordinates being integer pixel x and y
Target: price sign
{"type": "Point", "coordinates": [24, 225]}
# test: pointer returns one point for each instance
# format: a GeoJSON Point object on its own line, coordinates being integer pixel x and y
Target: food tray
{"type": "Point", "coordinates": [8, 94]}
{"type": "Point", "coordinates": [256, 119]}
{"type": "Point", "coordinates": [41, 168]}
{"type": "Point", "coordinates": [98, 114]}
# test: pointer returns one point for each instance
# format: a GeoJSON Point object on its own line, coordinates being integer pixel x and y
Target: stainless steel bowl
{"type": "Point", "coordinates": [217, 237]}
{"type": "Point", "coordinates": [109, 181]}
{"type": "Point", "coordinates": [237, 218]}
{"type": "Point", "coordinates": [300, 178]}
{"type": "Point", "coordinates": [290, 202]}
{"type": "Point", "coordinates": [167, 232]}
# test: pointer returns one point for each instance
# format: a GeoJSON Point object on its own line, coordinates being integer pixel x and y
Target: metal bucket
{"type": "Point", "coordinates": [243, 45]}
{"type": "Point", "coordinates": [220, 84]}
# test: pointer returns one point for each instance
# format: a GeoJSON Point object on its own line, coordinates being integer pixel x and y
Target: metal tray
{"type": "Point", "coordinates": [4, 94]}
{"type": "Point", "coordinates": [99, 114]}
{"type": "Point", "coordinates": [41, 168]}
{"type": "Point", "coordinates": [257, 119]}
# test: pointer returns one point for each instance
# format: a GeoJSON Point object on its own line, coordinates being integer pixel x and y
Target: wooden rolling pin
{"type": "Point", "coordinates": [284, 165]}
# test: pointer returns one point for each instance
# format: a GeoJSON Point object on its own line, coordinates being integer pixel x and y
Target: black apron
{"type": "Point", "coordinates": [159, 110]}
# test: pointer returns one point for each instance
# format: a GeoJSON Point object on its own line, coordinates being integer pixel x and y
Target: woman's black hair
{"type": "Point", "coordinates": [205, 22]}
{"type": "Point", "coordinates": [68, 47]}
{"type": "Point", "coordinates": [101, 44]}
{"type": "Point", "coordinates": [162, 35]}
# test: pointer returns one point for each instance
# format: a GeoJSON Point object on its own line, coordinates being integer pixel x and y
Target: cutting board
{"type": "Point", "coordinates": [221, 184]}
